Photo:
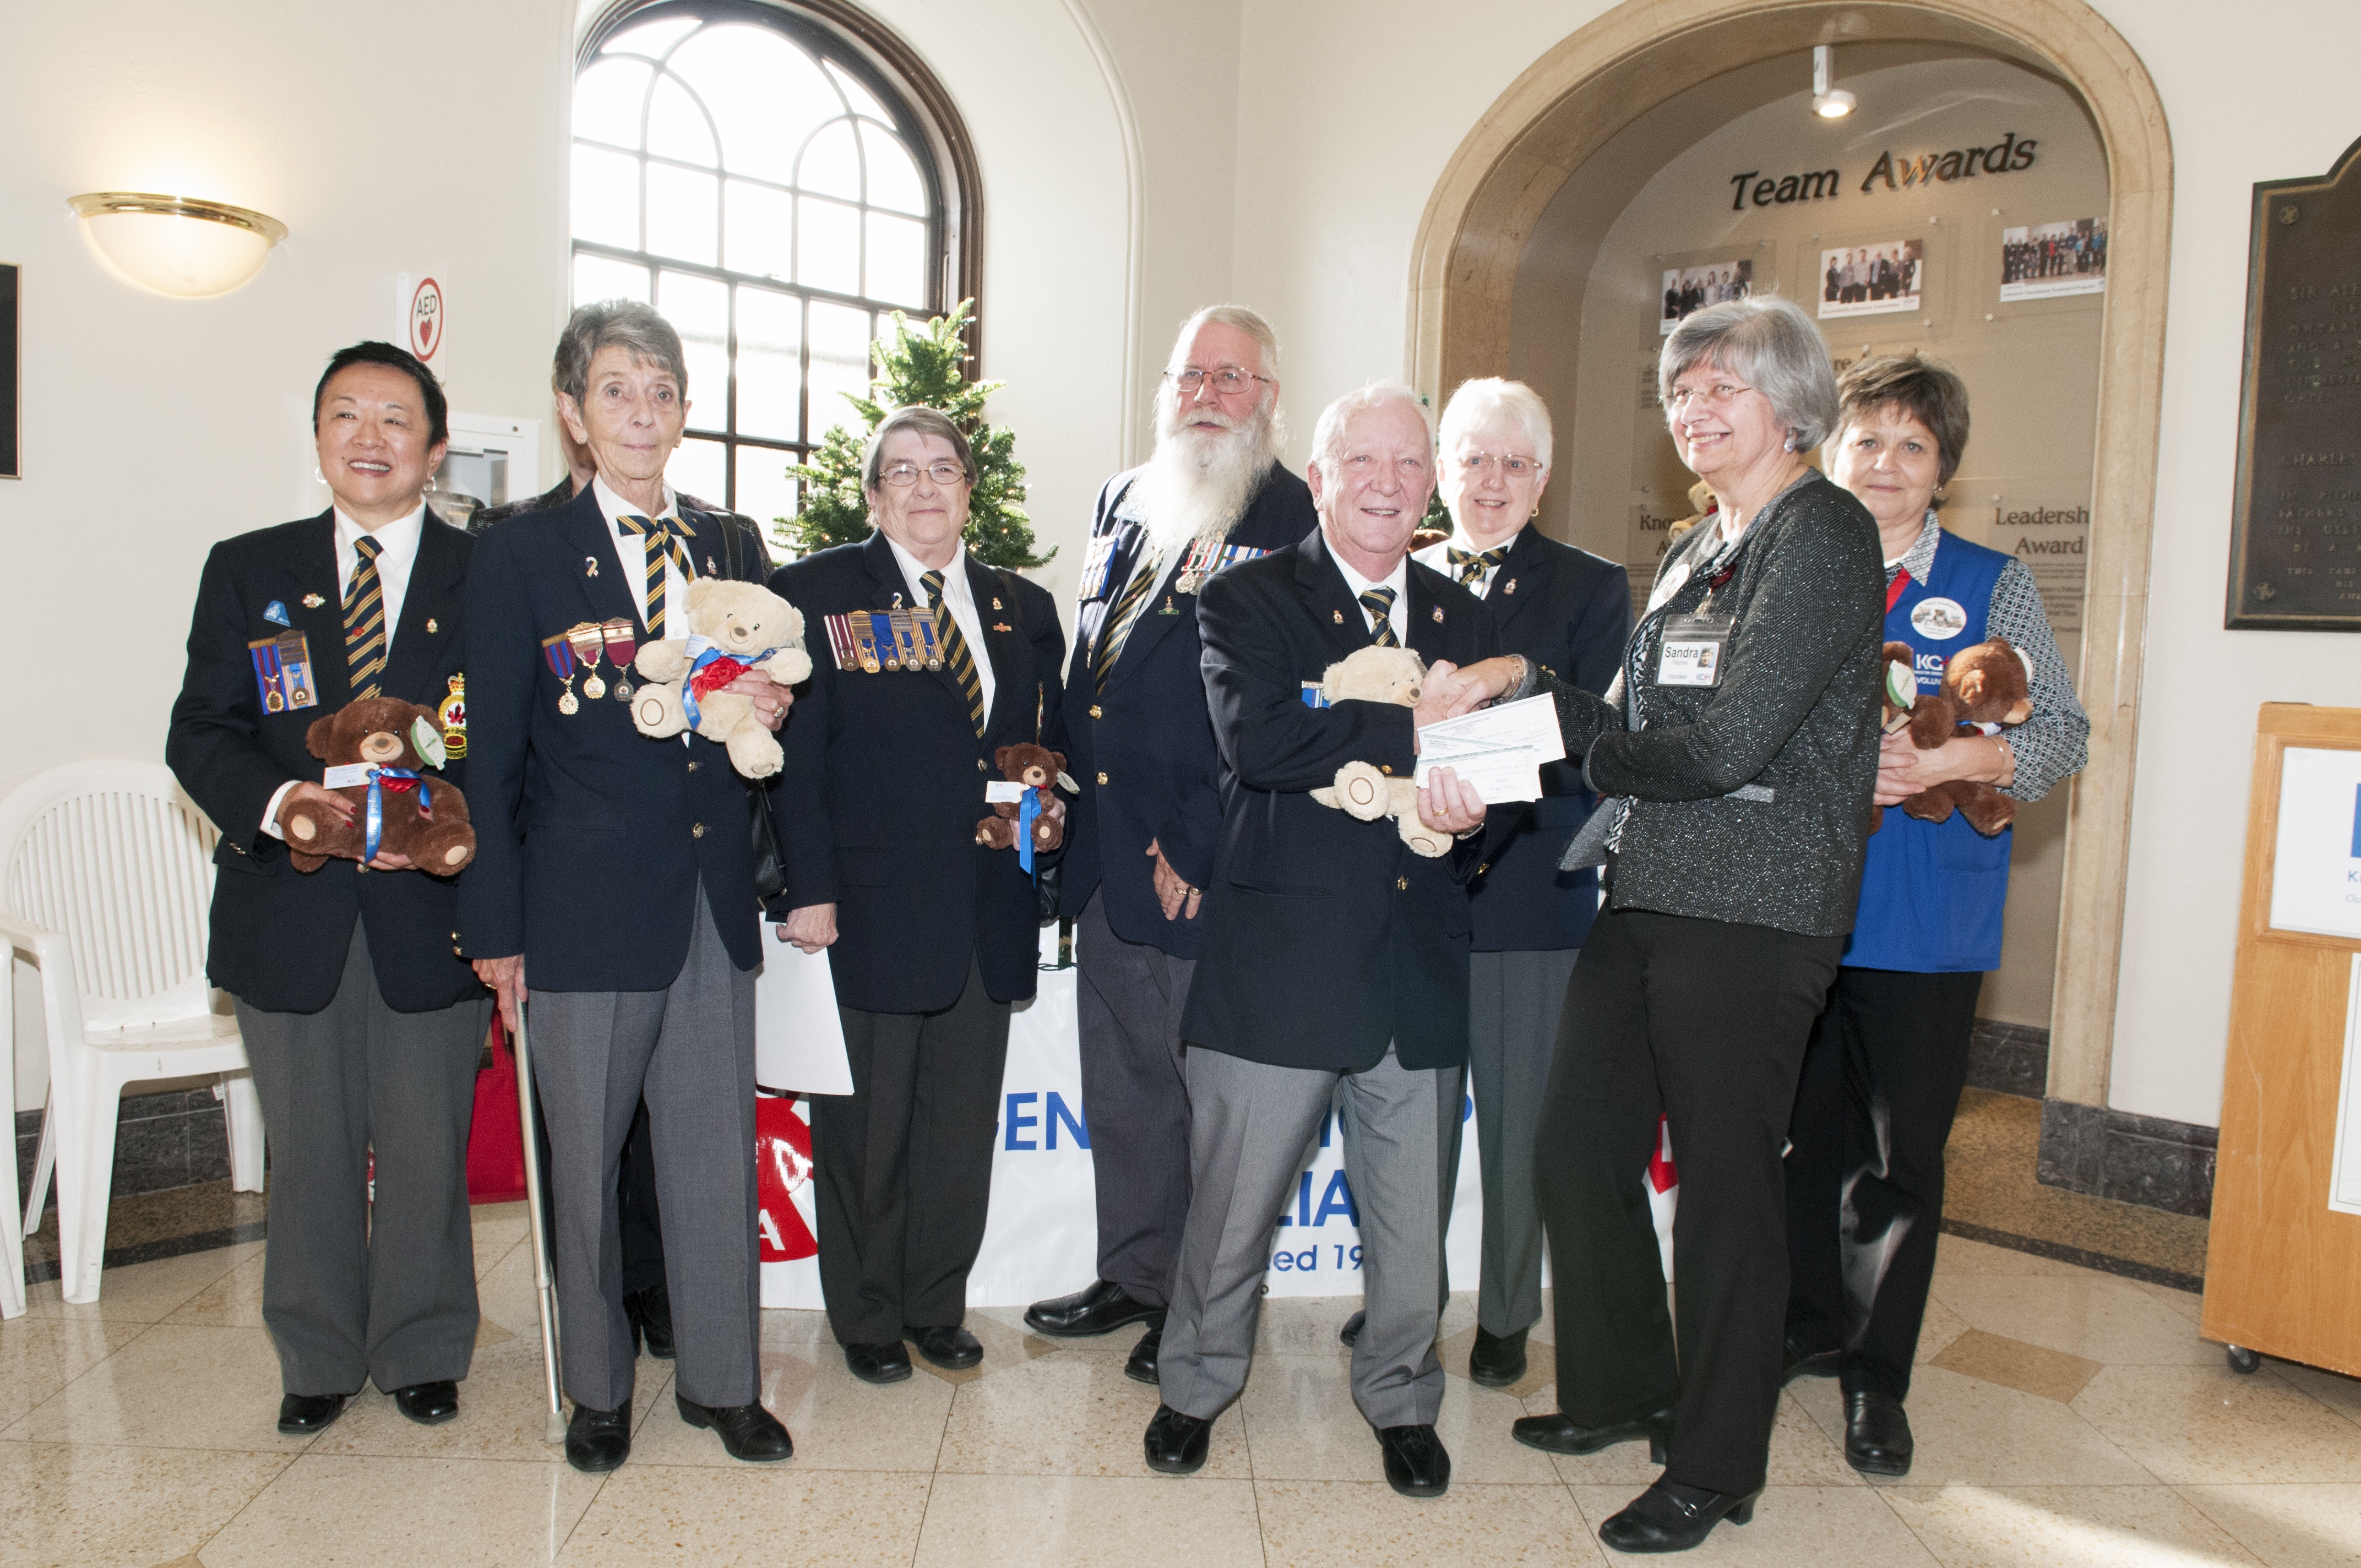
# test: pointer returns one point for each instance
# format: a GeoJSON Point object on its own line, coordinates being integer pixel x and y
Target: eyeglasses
{"type": "Point", "coordinates": [1714, 396]}
{"type": "Point", "coordinates": [1479, 464]}
{"type": "Point", "coordinates": [1225, 380]}
{"type": "Point", "coordinates": [943, 473]}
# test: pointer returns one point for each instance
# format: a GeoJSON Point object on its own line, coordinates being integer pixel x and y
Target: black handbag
{"type": "Point", "coordinates": [762, 833]}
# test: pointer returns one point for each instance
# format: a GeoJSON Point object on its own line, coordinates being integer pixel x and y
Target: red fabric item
{"type": "Point", "coordinates": [719, 674]}
{"type": "Point", "coordinates": [496, 1141]}
{"type": "Point", "coordinates": [783, 1168]}
{"type": "Point", "coordinates": [1895, 589]}
{"type": "Point", "coordinates": [1661, 1174]}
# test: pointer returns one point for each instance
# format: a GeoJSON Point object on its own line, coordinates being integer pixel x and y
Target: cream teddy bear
{"type": "Point", "coordinates": [1379, 675]}
{"type": "Point", "coordinates": [733, 627]}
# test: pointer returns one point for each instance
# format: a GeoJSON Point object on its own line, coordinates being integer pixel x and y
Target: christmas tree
{"type": "Point", "coordinates": [919, 365]}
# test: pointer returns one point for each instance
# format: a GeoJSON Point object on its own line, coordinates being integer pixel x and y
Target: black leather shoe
{"type": "Point", "coordinates": [599, 1440]}
{"type": "Point", "coordinates": [887, 1362]}
{"type": "Point", "coordinates": [952, 1348]}
{"type": "Point", "coordinates": [1496, 1360]}
{"type": "Point", "coordinates": [1103, 1309]}
{"type": "Point", "coordinates": [1877, 1435]}
{"type": "Point", "coordinates": [1351, 1332]}
{"type": "Point", "coordinates": [429, 1404]}
{"type": "Point", "coordinates": [1141, 1366]}
{"type": "Point", "coordinates": [747, 1431]}
{"type": "Point", "coordinates": [1796, 1361]}
{"type": "Point", "coordinates": [1669, 1516]}
{"type": "Point", "coordinates": [1416, 1463]}
{"type": "Point", "coordinates": [1558, 1435]}
{"type": "Point", "coordinates": [1177, 1444]}
{"type": "Point", "coordinates": [650, 1312]}
{"type": "Point", "coordinates": [301, 1414]}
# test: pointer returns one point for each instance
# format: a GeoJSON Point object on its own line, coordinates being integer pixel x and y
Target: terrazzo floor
{"type": "Point", "coordinates": [2064, 1416]}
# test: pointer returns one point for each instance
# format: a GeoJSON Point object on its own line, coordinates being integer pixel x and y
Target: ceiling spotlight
{"type": "Point", "coordinates": [1829, 103]}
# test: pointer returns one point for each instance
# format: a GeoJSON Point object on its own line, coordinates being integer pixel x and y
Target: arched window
{"type": "Point", "coordinates": [765, 178]}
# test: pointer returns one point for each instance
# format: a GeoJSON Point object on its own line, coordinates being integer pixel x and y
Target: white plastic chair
{"type": "Point", "coordinates": [105, 876]}
{"type": "Point", "coordinates": [12, 1235]}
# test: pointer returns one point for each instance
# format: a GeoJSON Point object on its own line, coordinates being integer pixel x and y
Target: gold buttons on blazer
{"type": "Point", "coordinates": [692, 764]}
{"type": "Point", "coordinates": [1386, 768]}
{"type": "Point", "coordinates": [1401, 884]}
{"type": "Point", "coordinates": [697, 831]}
{"type": "Point", "coordinates": [1095, 711]}
{"type": "Point", "coordinates": [1482, 869]}
{"type": "Point", "coordinates": [979, 766]}
{"type": "Point", "coordinates": [1103, 778]}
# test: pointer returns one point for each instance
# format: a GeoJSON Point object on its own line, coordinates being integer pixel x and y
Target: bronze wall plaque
{"type": "Point", "coordinates": [2295, 539]}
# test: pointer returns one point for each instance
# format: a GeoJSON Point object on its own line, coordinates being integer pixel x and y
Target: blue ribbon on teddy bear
{"type": "Point", "coordinates": [702, 652]}
{"type": "Point", "coordinates": [1028, 808]}
{"type": "Point", "coordinates": [376, 802]}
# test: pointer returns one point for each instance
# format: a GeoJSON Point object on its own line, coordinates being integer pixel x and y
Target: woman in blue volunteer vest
{"type": "Point", "coordinates": [1883, 1075]}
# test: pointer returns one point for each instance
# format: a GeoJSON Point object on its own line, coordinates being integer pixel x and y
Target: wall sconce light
{"type": "Point", "coordinates": [1829, 102]}
{"type": "Point", "coordinates": [178, 245]}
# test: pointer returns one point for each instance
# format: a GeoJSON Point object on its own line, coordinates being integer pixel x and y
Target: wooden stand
{"type": "Point", "coordinates": [2283, 1269]}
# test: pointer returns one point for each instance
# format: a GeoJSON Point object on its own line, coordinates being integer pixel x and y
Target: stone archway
{"type": "Point", "coordinates": [1565, 107]}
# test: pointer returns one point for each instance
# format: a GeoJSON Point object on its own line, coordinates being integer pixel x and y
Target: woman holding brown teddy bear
{"type": "Point", "coordinates": [1883, 1074]}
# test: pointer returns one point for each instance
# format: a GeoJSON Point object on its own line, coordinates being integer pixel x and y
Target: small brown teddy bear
{"type": "Point", "coordinates": [1379, 675]}
{"type": "Point", "coordinates": [1988, 685]}
{"type": "Point", "coordinates": [421, 817]}
{"type": "Point", "coordinates": [1036, 768]}
{"type": "Point", "coordinates": [733, 627]}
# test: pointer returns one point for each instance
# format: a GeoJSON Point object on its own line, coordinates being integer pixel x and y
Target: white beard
{"type": "Point", "coordinates": [1198, 484]}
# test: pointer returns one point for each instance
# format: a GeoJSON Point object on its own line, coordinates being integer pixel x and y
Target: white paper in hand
{"type": "Point", "coordinates": [1497, 750]}
{"type": "Point", "coordinates": [798, 1033]}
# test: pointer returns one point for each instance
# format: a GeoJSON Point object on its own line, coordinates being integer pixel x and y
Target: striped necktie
{"type": "Point", "coordinates": [364, 621]}
{"type": "Point", "coordinates": [1379, 603]}
{"type": "Point", "coordinates": [1473, 564]}
{"type": "Point", "coordinates": [665, 540]}
{"type": "Point", "coordinates": [956, 658]}
{"type": "Point", "coordinates": [1127, 610]}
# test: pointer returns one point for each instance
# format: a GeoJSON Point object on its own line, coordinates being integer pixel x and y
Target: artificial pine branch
{"type": "Point", "coordinates": [918, 365]}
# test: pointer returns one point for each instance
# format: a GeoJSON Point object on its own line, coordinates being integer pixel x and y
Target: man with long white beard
{"type": "Point", "coordinates": [1140, 840]}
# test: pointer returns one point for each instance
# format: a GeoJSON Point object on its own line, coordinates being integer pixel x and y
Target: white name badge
{"type": "Point", "coordinates": [347, 775]}
{"type": "Point", "coordinates": [1692, 650]}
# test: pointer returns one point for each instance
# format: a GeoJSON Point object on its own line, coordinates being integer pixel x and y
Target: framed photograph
{"type": "Point", "coordinates": [1871, 279]}
{"type": "Point", "coordinates": [2043, 261]}
{"type": "Point", "coordinates": [1691, 289]}
{"type": "Point", "coordinates": [11, 374]}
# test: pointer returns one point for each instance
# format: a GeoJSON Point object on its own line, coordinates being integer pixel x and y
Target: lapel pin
{"type": "Point", "coordinates": [430, 628]}
{"type": "Point", "coordinates": [312, 601]}
{"type": "Point", "coordinates": [711, 569]}
{"type": "Point", "coordinates": [1000, 625]}
{"type": "Point", "coordinates": [1510, 586]}
{"type": "Point", "coordinates": [1339, 616]}
{"type": "Point", "coordinates": [1438, 615]}
{"type": "Point", "coordinates": [589, 566]}
{"type": "Point", "coordinates": [276, 613]}
{"type": "Point", "coordinates": [996, 604]}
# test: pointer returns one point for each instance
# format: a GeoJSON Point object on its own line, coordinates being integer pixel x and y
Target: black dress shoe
{"type": "Point", "coordinates": [1351, 1332]}
{"type": "Point", "coordinates": [887, 1362]}
{"type": "Point", "coordinates": [1669, 1516]}
{"type": "Point", "coordinates": [1877, 1435]}
{"type": "Point", "coordinates": [428, 1404]}
{"type": "Point", "coordinates": [1417, 1465]}
{"type": "Point", "coordinates": [650, 1314]}
{"type": "Point", "coordinates": [301, 1414]}
{"type": "Point", "coordinates": [1797, 1360]}
{"type": "Point", "coordinates": [1177, 1444]}
{"type": "Point", "coordinates": [1496, 1360]}
{"type": "Point", "coordinates": [1101, 1309]}
{"type": "Point", "coordinates": [952, 1348]}
{"type": "Point", "coordinates": [1141, 1366]}
{"type": "Point", "coordinates": [1558, 1435]}
{"type": "Point", "coordinates": [599, 1440]}
{"type": "Point", "coordinates": [748, 1431]}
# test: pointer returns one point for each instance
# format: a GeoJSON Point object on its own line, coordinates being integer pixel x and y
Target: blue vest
{"type": "Point", "coordinates": [1931, 892]}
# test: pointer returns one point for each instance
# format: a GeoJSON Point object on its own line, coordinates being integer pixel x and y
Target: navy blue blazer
{"type": "Point", "coordinates": [280, 935]}
{"type": "Point", "coordinates": [883, 786]}
{"type": "Point", "coordinates": [592, 839]}
{"type": "Point", "coordinates": [1326, 936]}
{"type": "Point", "coordinates": [1149, 732]}
{"type": "Point", "coordinates": [1570, 611]}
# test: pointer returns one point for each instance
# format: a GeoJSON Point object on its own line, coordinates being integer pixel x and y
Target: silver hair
{"type": "Point", "coordinates": [1770, 344]}
{"type": "Point", "coordinates": [615, 324]}
{"type": "Point", "coordinates": [1488, 400]}
{"type": "Point", "coordinates": [1238, 318]}
{"type": "Point", "coordinates": [923, 421]}
{"type": "Point", "coordinates": [1328, 435]}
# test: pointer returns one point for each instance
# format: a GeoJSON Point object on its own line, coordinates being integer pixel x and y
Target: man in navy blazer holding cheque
{"type": "Point", "coordinates": [614, 877]}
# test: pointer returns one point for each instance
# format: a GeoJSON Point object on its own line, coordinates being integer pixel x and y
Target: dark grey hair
{"type": "Point", "coordinates": [919, 420]}
{"type": "Point", "coordinates": [614, 323]}
{"type": "Point", "coordinates": [1770, 344]}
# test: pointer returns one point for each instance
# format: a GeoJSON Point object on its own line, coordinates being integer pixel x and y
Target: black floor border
{"type": "Point", "coordinates": [2058, 1252]}
{"type": "Point", "coordinates": [157, 1250]}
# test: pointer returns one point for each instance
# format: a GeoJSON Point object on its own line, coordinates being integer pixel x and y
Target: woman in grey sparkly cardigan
{"type": "Point", "coordinates": [1738, 749]}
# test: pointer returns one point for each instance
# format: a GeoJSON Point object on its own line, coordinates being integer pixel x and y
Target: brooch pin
{"type": "Point", "coordinates": [312, 601]}
{"type": "Point", "coordinates": [430, 628]}
{"type": "Point", "coordinates": [589, 566]}
{"type": "Point", "coordinates": [711, 570]}
{"type": "Point", "coordinates": [1339, 615]}
{"type": "Point", "coordinates": [999, 626]}
{"type": "Point", "coordinates": [996, 604]}
{"type": "Point", "coordinates": [1510, 586]}
{"type": "Point", "coordinates": [1438, 615]}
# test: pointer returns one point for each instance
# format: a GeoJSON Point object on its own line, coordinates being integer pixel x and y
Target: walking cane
{"type": "Point", "coordinates": [544, 1289]}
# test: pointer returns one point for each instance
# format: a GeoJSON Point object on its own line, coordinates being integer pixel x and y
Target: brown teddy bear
{"type": "Point", "coordinates": [733, 627]}
{"type": "Point", "coordinates": [423, 818]}
{"type": "Point", "coordinates": [1036, 768]}
{"type": "Point", "coordinates": [1985, 687]}
{"type": "Point", "coordinates": [1379, 675]}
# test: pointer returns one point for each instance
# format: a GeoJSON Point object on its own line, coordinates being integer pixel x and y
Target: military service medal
{"type": "Point", "coordinates": [881, 627]}
{"type": "Point", "coordinates": [589, 640]}
{"type": "Point", "coordinates": [559, 652]}
{"type": "Point", "coordinates": [267, 674]}
{"type": "Point", "coordinates": [930, 646]}
{"type": "Point", "coordinates": [622, 637]}
{"type": "Point", "coordinates": [295, 652]}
